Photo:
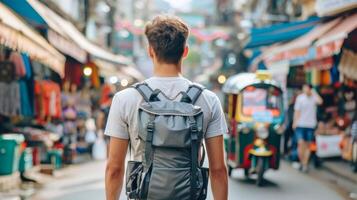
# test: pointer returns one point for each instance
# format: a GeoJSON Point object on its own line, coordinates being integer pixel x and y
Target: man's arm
{"type": "Point", "coordinates": [297, 114]}
{"type": "Point", "coordinates": [318, 98]}
{"type": "Point", "coordinates": [114, 173]}
{"type": "Point", "coordinates": [217, 166]}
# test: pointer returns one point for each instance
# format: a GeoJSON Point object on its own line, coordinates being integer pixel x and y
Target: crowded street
{"type": "Point", "coordinates": [178, 99]}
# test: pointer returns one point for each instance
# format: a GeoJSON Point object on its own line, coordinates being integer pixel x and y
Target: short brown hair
{"type": "Point", "coordinates": [167, 35]}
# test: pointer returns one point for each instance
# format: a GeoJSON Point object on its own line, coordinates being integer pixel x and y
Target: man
{"type": "Point", "coordinates": [305, 122]}
{"type": "Point", "coordinates": [167, 47]}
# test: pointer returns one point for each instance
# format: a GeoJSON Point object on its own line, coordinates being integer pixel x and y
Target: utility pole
{"type": "Point", "coordinates": [111, 22]}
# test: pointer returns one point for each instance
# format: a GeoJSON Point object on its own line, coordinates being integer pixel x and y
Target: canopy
{"type": "Point", "coordinates": [299, 47]}
{"type": "Point", "coordinates": [55, 34]}
{"type": "Point", "coordinates": [16, 34]}
{"type": "Point", "coordinates": [109, 69]}
{"type": "Point", "coordinates": [331, 42]}
{"type": "Point", "coordinates": [280, 32]}
{"type": "Point", "coordinates": [334, 7]}
{"type": "Point", "coordinates": [237, 83]}
{"type": "Point", "coordinates": [72, 32]}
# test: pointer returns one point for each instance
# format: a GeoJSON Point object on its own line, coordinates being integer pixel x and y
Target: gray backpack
{"type": "Point", "coordinates": [171, 135]}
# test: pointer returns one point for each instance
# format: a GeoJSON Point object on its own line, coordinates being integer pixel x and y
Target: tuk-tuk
{"type": "Point", "coordinates": [254, 110]}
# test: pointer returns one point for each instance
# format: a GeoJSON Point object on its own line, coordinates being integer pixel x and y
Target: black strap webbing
{"type": "Point", "coordinates": [147, 92]}
{"type": "Point", "coordinates": [192, 94]}
{"type": "Point", "coordinates": [194, 157]}
{"type": "Point", "coordinates": [148, 154]}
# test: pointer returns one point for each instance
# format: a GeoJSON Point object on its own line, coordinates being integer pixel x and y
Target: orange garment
{"type": "Point", "coordinates": [52, 99]}
{"type": "Point", "coordinates": [105, 98]}
{"type": "Point", "coordinates": [326, 77]}
{"type": "Point", "coordinates": [47, 100]}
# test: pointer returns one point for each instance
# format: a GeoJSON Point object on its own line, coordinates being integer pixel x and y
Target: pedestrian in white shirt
{"type": "Point", "coordinates": [305, 122]}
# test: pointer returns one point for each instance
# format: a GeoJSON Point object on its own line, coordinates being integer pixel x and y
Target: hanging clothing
{"type": "Point", "coordinates": [48, 100]}
{"type": "Point", "coordinates": [73, 72]}
{"type": "Point", "coordinates": [326, 78]}
{"type": "Point", "coordinates": [10, 104]}
{"type": "Point", "coordinates": [94, 77]}
{"type": "Point", "coordinates": [26, 107]}
{"type": "Point", "coordinates": [27, 64]}
{"type": "Point", "coordinates": [16, 58]}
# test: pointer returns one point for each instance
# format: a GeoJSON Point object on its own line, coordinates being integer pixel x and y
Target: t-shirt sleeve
{"type": "Point", "coordinates": [217, 125]}
{"type": "Point", "coordinates": [117, 125]}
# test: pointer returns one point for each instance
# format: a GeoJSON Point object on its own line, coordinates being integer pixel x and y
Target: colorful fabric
{"type": "Point", "coordinates": [27, 64]}
{"type": "Point", "coordinates": [26, 107]}
{"type": "Point", "coordinates": [48, 100]}
{"type": "Point", "coordinates": [16, 58]}
{"type": "Point", "coordinates": [326, 77]}
{"type": "Point", "coordinates": [10, 99]}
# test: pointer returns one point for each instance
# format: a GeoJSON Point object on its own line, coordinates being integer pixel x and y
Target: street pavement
{"type": "Point", "coordinates": [86, 182]}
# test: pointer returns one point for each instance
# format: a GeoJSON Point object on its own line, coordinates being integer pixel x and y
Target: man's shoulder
{"type": "Point", "coordinates": [210, 98]}
{"type": "Point", "coordinates": [209, 94]}
{"type": "Point", "coordinates": [300, 97]}
{"type": "Point", "coordinates": [127, 95]}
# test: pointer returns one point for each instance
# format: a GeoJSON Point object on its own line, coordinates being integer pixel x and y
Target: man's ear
{"type": "Point", "coordinates": [151, 52]}
{"type": "Point", "coordinates": [185, 52]}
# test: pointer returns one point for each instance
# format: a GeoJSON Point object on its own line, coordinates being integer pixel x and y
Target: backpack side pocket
{"type": "Point", "coordinates": [134, 171]}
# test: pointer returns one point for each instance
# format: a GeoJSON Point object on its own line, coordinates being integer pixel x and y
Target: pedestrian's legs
{"type": "Point", "coordinates": [309, 137]}
{"type": "Point", "coordinates": [307, 154]}
{"type": "Point", "coordinates": [299, 132]}
{"type": "Point", "coordinates": [302, 151]}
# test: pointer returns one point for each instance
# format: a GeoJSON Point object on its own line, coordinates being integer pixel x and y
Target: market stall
{"type": "Point", "coordinates": [28, 65]}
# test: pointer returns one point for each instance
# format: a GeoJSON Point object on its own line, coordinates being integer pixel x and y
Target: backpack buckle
{"type": "Point", "coordinates": [194, 131]}
{"type": "Point", "coordinates": [150, 127]}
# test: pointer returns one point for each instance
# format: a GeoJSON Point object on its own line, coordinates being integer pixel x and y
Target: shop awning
{"type": "Point", "coordinates": [331, 42]}
{"type": "Point", "coordinates": [108, 70]}
{"type": "Point", "coordinates": [280, 32]}
{"type": "Point", "coordinates": [299, 47]}
{"type": "Point", "coordinates": [72, 32]}
{"type": "Point", "coordinates": [16, 34]}
{"type": "Point", "coordinates": [333, 7]}
{"type": "Point", "coordinates": [43, 17]}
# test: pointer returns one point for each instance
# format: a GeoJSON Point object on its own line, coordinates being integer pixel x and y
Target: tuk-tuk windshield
{"type": "Point", "coordinates": [261, 99]}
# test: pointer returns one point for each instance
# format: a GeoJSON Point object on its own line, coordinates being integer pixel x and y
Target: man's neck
{"type": "Point", "coordinates": [167, 70]}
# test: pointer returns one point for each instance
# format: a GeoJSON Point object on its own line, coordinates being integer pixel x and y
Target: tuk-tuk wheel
{"type": "Point", "coordinates": [246, 173]}
{"type": "Point", "coordinates": [230, 169]}
{"type": "Point", "coordinates": [260, 172]}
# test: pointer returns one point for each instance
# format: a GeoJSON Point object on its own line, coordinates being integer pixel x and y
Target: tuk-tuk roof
{"type": "Point", "coordinates": [237, 83]}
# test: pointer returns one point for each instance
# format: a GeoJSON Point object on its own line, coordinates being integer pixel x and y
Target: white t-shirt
{"type": "Point", "coordinates": [307, 105]}
{"type": "Point", "coordinates": [122, 120]}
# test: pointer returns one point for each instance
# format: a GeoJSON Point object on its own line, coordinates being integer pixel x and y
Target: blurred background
{"type": "Point", "coordinates": [61, 61]}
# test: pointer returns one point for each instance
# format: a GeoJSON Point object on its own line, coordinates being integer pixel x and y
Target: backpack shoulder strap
{"type": "Point", "coordinates": [192, 93]}
{"type": "Point", "coordinates": [147, 92]}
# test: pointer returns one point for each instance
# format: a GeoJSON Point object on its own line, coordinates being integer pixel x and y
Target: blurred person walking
{"type": "Point", "coordinates": [167, 37]}
{"type": "Point", "coordinates": [305, 122]}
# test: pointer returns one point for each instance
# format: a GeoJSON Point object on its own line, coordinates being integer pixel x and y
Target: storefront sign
{"type": "Point", "coordinates": [333, 7]}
